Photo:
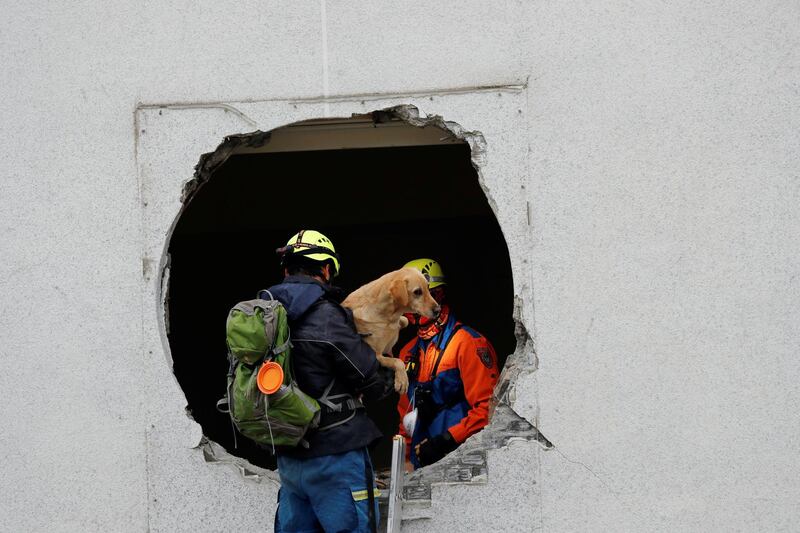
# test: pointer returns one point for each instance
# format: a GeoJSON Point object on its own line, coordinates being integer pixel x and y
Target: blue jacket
{"type": "Point", "coordinates": [326, 346]}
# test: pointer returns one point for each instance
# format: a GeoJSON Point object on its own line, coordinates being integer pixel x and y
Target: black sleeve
{"type": "Point", "coordinates": [356, 364]}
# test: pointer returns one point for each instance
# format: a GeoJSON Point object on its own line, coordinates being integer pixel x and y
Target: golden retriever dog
{"type": "Point", "coordinates": [378, 309]}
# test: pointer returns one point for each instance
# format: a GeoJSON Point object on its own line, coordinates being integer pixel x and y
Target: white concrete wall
{"type": "Point", "coordinates": [658, 148]}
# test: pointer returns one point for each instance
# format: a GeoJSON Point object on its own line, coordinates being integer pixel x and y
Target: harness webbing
{"type": "Point", "coordinates": [442, 349]}
{"type": "Point", "coordinates": [416, 355]}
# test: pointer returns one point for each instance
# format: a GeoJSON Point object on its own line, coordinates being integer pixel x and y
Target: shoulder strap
{"type": "Point", "coordinates": [413, 360]}
{"type": "Point", "coordinates": [263, 293]}
{"type": "Point", "coordinates": [443, 348]}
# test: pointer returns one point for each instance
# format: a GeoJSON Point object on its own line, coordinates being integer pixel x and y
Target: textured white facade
{"type": "Point", "coordinates": [643, 160]}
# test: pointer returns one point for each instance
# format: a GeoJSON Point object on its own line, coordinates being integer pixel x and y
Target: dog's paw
{"type": "Point", "coordinates": [401, 382]}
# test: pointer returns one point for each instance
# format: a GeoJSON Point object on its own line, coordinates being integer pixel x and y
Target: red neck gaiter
{"type": "Point", "coordinates": [429, 327]}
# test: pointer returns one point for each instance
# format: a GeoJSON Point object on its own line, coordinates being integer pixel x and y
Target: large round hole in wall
{"type": "Point", "coordinates": [384, 191]}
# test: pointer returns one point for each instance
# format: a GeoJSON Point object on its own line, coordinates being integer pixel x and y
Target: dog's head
{"type": "Point", "coordinates": [409, 292]}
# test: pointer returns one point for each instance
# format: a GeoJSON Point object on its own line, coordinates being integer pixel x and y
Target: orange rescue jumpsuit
{"type": "Point", "coordinates": [461, 384]}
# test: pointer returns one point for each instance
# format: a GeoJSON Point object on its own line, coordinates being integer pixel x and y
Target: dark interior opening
{"type": "Point", "coordinates": [381, 206]}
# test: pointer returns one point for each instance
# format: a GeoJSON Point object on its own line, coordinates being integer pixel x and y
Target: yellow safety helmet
{"type": "Point", "coordinates": [431, 269]}
{"type": "Point", "coordinates": [313, 245]}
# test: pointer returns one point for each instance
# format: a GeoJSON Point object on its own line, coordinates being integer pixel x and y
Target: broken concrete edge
{"type": "Point", "coordinates": [211, 161]}
{"type": "Point", "coordinates": [477, 143]}
{"type": "Point", "coordinates": [523, 360]}
{"type": "Point", "coordinates": [216, 454]}
{"type": "Point", "coordinates": [466, 464]}
{"type": "Point", "coordinates": [409, 114]}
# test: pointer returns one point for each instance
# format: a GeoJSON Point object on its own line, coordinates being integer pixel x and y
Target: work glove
{"type": "Point", "coordinates": [431, 450]}
{"type": "Point", "coordinates": [427, 408]}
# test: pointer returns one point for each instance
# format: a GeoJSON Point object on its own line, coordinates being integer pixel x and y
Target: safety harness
{"type": "Point", "coordinates": [441, 339]}
{"type": "Point", "coordinates": [414, 366]}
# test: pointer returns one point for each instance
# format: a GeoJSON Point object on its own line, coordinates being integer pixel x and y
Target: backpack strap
{"type": "Point", "coordinates": [283, 347]}
{"type": "Point", "coordinates": [346, 419]}
{"type": "Point", "coordinates": [261, 294]}
{"type": "Point", "coordinates": [329, 406]}
{"type": "Point", "coordinates": [266, 294]}
{"type": "Point", "coordinates": [349, 404]}
{"type": "Point", "coordinates": [224, 404]}
{"type": "Point", "coordinates": [325, 399]}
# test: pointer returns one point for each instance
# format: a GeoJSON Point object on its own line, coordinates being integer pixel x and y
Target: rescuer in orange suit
{"type": "Point", "coordinates": [452, 372]}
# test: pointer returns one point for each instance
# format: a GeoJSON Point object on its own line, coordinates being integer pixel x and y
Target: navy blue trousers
{"type": "Point", "coordinates": [327, 493]}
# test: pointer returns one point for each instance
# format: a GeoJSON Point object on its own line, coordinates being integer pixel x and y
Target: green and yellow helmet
{"type": "Point", "coordinates": [313, 245]}
{"type": "Point", "coordinates": [431, 269]}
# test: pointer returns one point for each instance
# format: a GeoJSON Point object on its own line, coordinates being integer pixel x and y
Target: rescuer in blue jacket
{"type": "Point", "coordinates": [329, 485]}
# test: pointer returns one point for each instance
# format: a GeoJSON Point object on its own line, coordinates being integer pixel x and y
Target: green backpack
{"type": "Point", "coordinates": [257, 331]}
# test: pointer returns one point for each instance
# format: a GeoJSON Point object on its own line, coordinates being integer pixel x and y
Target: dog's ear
{"type": "Point", "coordinates": [399, 293]}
